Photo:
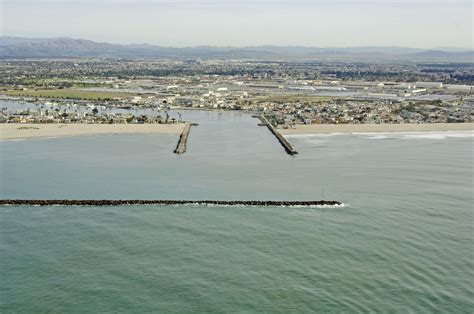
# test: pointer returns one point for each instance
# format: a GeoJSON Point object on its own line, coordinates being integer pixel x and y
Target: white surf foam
{"type": "Point", "coordinates": [419, 135]}
{"type": "Point", "coordinates": [435, 135]}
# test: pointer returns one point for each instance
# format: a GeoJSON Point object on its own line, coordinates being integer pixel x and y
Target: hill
{"type": "Point", "coordinates": [19, 47]}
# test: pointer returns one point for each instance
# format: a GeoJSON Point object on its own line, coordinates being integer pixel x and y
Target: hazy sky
{"type": "Point", "coordinates": [318, 23]}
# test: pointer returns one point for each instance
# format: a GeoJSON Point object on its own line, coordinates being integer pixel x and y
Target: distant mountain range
{"type": "Point", "coordinates": [19, 47]}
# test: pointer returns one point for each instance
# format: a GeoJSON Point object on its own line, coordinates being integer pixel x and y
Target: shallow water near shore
{"type": "Point", "coordinates": [402, 242]}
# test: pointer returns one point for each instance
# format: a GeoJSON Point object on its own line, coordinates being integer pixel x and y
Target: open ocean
{"type": "Point", "coordinates": [402, 243]}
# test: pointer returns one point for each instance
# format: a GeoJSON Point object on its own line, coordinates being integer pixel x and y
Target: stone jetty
{"type": "Point", "coordinates": [37, 202]}
{"type": "Point", "coordinates": [286, 145]}
{"type": "Point", "coordinates": [183, 139]}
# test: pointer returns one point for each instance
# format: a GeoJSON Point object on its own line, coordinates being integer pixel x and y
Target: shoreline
{"type": "Point", "coordinates": [376, 128]}
{"type": "Point", "coordinates": [24, 131]}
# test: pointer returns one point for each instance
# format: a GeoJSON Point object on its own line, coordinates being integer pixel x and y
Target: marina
{"type": "Point", "coordinates": [331, 172]}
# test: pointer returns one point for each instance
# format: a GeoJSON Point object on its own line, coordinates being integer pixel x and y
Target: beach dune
{"type": "Point", "coordinates": [13, 131]}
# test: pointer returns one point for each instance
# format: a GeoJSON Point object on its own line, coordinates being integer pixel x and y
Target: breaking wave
{"type": "Point", "coordinates": [419, 135]}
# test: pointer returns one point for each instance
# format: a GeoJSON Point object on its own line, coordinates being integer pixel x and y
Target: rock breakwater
{"type": "Point", "coordinates": [162, 202]}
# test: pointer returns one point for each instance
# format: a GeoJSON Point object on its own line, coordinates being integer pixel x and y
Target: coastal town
{"type": "Point", "coordinates": [89, 114]}
{"type": "Point", "coordinates": [288, 94]}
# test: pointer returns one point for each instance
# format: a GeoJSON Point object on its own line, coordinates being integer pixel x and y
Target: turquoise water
{"type": "Point", "coordinates": [402, 243]}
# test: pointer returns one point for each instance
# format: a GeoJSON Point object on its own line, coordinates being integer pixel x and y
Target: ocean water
{"type": "Point", "coordinates": [403, 242]}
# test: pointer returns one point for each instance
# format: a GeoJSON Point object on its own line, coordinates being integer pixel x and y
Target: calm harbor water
{"type": "Point", "coordinates": [403, 242]}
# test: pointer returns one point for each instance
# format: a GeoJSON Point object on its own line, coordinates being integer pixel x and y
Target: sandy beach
{"type": "Point", "coordinates": [13, 131]}
{"type": "Point", "coordinates": [376, 128]}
